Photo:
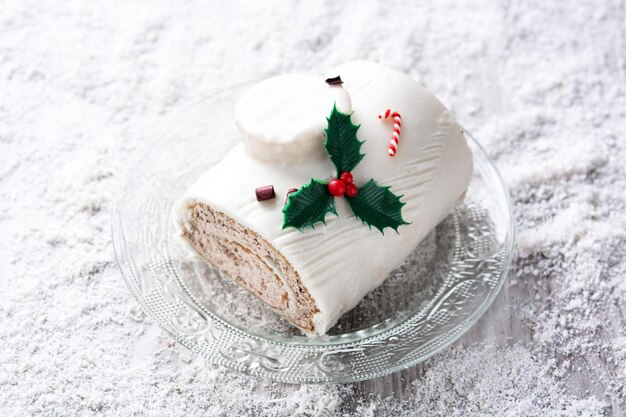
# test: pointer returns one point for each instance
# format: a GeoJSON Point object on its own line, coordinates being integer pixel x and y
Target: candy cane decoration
{"type": "Point", "coordinates": [395, 136]}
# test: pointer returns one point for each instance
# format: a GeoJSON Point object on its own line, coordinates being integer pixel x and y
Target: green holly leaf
{"type": "Point", "coordinates": [308, 205]}
{"type": "Point", "coordinates": [377, 206]}
{"type": "Point", "coordinates": [341, 143]}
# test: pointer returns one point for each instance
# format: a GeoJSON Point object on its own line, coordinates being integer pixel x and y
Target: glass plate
{"type": "Point", "coordinates": [431, 300]}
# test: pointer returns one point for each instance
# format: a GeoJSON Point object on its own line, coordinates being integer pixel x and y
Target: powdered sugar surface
{"type": "Point", "coordinates": [540, 85]}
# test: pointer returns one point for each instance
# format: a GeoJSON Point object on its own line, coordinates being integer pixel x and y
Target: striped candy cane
{"type": "Point", "coordinates": [395, 136]}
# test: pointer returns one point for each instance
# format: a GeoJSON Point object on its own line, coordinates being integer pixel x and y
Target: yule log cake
{"type": "Point", "coordinates": [337, 179]}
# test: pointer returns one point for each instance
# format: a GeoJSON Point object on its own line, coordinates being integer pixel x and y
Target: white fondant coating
{"type": "Point", "coordinates": [341, 262]}
{"type": "Point", "coordinates": [282, 119]}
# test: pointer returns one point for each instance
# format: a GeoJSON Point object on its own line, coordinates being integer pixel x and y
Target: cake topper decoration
{"type": "Point", "coordinates": [265, 193]}
{"type": "Point", "coordinates": [334, 80]}
{"type": "Point", "coordinates": [373, 204]}
{"type": "Point", "coordinates": [395, 136]}
{"type": "Point", "coordinates": [289, 191]}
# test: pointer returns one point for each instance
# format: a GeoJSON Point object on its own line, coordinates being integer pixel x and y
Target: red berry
{"type": "Point", "coordinates": [346, 177]}
{"type": "Point", "coordinates": [351, 190]}
{"type": "Point", "coordinates": [336, 187]}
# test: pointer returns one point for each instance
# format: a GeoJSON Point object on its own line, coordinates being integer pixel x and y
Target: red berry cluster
{"type": "Point", "coordinates": [343, 185]}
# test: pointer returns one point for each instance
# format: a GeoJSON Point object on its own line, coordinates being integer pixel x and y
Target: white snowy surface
{"type": "Point", "coordinates": [541, 84]}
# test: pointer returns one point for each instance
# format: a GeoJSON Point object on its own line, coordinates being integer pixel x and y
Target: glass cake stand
{"type": "Point", "coordinates": [440, 291]}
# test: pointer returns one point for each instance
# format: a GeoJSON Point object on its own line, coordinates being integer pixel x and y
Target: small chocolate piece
{"type": "Point", "coordinates": [265, 193]}
{"type": "Point", "coordinates": [334, 80]}
{"type": "Point", "coordinates": [291, 190]}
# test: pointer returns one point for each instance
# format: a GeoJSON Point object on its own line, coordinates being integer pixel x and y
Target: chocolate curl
{"type": "Point", "coordinates": [265, 193]}
{"type": "Point", "coordinates": [291, 190]}
{"type": "Point", "coordinates": [334, 80]}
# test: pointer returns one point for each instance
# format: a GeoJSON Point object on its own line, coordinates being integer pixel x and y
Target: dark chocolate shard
{"type": "Point", "coordinates": [265, 193]}
{"type": "Point", "coordinates": [334, 80]}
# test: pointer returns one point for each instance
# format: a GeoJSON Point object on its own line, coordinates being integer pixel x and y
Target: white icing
{"type": "Point", "coordinates": [341, 262]}
{"type": "Point", "coordinates": [282, 119]}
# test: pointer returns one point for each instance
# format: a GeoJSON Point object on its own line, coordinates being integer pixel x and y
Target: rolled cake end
{"type": "Point", "coordinates": [251, 262]}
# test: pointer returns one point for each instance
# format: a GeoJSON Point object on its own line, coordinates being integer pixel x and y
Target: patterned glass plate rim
{"type": "Point", "coordinates": [482, 254]}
